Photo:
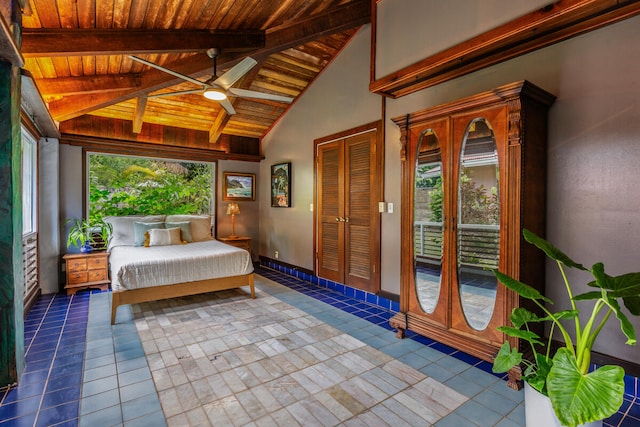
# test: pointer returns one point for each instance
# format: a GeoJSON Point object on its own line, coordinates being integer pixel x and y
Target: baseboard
{"type": "Point", "coordinates": [385, 300]}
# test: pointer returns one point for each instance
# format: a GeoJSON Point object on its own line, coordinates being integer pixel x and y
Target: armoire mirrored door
{"type": "Point", "coordinates": [467, 184]}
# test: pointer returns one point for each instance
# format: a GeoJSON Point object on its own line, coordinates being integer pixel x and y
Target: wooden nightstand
{"type": "Point", "coordinates": [90, 270]}
{"type": "Point", "coordinates": [238, 242]}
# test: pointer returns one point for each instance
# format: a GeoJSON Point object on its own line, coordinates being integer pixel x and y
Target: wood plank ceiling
{"type": "Point", "coordinates": [78, 51]}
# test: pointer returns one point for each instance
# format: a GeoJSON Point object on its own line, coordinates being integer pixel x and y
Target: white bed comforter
{"type": "Point", "coordinates": [139, 267]}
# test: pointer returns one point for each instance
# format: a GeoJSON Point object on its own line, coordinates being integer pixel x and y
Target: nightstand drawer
{"type": "Point", "coordinates": [77, 277]}
{"type": "Point", "coordinates": [96, 263]}
{"type": "Point", "coordinates": [95, 275]}
{"type": "Point", "coordinates": [77, 265]}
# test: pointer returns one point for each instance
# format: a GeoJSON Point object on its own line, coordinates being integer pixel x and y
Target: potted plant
{"type": "Point", "coordinates": [577, 395]}
{"type": "Point", "coordinates": [87, 237]}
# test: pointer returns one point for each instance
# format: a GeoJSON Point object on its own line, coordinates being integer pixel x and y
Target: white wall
{"type": "Point", "coordinates": [48, 215]}
{"type": "Point", "coordinates": [417, 29]}
{"type": "Point", "coordinates": [594, 188]}
{"type": "Point", "coordinates": [337, 101]}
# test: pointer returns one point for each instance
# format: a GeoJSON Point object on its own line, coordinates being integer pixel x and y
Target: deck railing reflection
{"type": "Point", "coordinates": [479, 244]}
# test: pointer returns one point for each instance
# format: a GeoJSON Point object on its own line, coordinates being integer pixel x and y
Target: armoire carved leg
{"type": "Point", "coordinates": [515, 378]}
{"type": "Point", "coordinates": [398, 322]}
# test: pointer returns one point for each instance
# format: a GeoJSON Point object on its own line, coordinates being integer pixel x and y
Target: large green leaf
{"type": "Point", "coordinates": [521, 316]}
{"type": "Point", "coordinates": [522, 289]}
{"type": "Point", "coordinates": [588, 296]}
{"type": "Point", "coordinates": [578, 398]}
{"type": "Point", "coordinates": [633, 305]}
{"type": "Point", "coordinates": [625, 324]}
{"type": "Point", "coordinates": [506, 358]}
{"type": "Point", "coordinates": [551, 251]}
{"type": "Point", "coordinates": [520, 333]}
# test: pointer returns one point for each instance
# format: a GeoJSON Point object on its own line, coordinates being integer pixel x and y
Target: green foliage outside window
{"type": "Point", "coordinates": [136, 186]}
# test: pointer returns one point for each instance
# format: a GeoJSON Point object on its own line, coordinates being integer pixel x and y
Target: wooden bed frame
{"type": "Point", "coordinates": [155, 293]}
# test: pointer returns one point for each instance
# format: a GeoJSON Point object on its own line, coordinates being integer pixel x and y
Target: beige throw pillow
{"type": "Point", "coordinates": [162, 237]}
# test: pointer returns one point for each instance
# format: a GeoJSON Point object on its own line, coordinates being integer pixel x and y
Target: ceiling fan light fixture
{"type": "Point", "coordinates": [214, 94]}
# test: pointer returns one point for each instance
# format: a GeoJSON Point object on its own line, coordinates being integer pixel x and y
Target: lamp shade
{"type": "Point", "coordinates": [233, 209]}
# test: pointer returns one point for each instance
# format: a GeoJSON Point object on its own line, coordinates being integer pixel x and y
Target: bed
{"type": "Point", "coordinates": [168, 256]}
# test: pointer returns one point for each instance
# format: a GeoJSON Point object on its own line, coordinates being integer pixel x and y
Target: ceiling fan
{"type": "Point", "coordinates": [218, 88]}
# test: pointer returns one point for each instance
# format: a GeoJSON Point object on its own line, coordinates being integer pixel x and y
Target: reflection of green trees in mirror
{"type": "Point", "coordinates": [121, 185]}
{"type": "Point", "coordinates": [427, 180]}
{"type": "Point", "coordinates": [477, 205]}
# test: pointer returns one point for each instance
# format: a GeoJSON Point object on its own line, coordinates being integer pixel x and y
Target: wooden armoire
{"type": "Point", "coordinates": [473, 176]}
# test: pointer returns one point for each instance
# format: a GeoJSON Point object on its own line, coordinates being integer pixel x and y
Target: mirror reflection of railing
{"type": "Point", "coordinates": [428, 239]}
{"type": "Point", "coordinates": [479, 245]}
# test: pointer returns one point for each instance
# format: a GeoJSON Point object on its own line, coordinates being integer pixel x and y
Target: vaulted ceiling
{"type": "Point", "coordinates": [78, 52]}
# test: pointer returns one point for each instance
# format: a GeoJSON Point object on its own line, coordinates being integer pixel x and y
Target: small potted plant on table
{"type": "Point", "coordinates": [87, 237]}
{"type": "Point", "coordinates": [577, 395]}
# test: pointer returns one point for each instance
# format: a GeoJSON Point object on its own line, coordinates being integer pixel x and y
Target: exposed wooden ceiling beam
{"type": "Point", "coordinates": [138, 114]}
{"type": "Point", "coordinates": [335, 20]}
{"type": "Point", "coordinates": [83, 42]}
{"type": "Point", "coordinates": [218, 125]}
{"type": "Point", "coordinates": [88, 84]}
{"type": "Point", "coordinates": [223, 118]}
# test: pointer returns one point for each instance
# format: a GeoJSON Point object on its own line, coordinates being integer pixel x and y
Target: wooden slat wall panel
{"type": "Point", "coordinates": [30, 269]}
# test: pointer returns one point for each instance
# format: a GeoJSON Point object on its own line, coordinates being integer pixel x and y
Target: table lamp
{"type": "Point", "coordinates": [233, 209]}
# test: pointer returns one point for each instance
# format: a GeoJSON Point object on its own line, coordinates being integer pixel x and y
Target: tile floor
{"type": "Point", "coordinates": [80, 371]}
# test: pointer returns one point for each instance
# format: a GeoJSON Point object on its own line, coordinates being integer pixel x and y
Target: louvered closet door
{"type": "Point", "coordinates": [358, 222]}
{"type": "Point", "coordinates": [348, 189]}
{"type": "Point", "coordinates": [331, 209]}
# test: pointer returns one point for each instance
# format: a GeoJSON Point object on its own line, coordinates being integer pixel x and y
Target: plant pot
{"type": "Point", "coordinates": [539, 412]}
{"type": "Point", "coordinates": [86, 248]}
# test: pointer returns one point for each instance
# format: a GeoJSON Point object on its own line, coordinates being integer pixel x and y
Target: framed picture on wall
{"type": "Point", "coordinates": [281, 185]}
{"type": "Point", "coordinates": [239, 186]}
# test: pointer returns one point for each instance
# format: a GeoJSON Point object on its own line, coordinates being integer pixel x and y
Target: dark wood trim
{"type": "Point", "coordinates": [114, 146]}
{"type": "Point", "coordinates": [552, 24]}
{"type": "Point", "coordinates": [48, 42]}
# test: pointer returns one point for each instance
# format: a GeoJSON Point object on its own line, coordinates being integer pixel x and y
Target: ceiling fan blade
{"type": "Point", "coordinates": [245, 93]}
{"type": "Point", "coordinates": [235, 73]}
{"type": "Point", "coordinates": [166, 70]}
{"type": "Point", "coordinates": [227, 106]}
{"type": "Point", "coordinates": [179, 92]}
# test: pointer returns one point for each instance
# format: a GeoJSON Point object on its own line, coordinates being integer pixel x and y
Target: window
{"type": "Point", "coordinates": [127, 185]}
{"type": "Point", "coordinates": [29, 183]}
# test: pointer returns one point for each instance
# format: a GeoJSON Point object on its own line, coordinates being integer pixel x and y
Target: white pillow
{"type": "Point", "coordinates": [200, 225]}
{"type": "Point", "coordinates": [123, 233]}
{"type": "Point", "coordinates": [163, 236]}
